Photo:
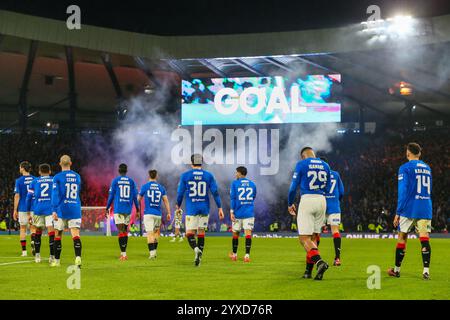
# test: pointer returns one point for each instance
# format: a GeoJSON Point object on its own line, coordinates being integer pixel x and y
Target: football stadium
{"type": "Point", "coordinates": [223, 151]}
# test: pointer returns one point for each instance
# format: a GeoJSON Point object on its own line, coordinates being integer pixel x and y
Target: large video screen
{"type": "Point", "coordinates": [260, 100]}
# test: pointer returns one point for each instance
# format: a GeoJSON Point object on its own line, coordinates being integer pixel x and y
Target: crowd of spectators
{"type": "Point", "coordinates": [368, 164]}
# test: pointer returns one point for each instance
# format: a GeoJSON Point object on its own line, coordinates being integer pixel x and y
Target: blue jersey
{"type": "Point", "coordinates": [336, 193]}
{"type": "Point", "coordinates": [242, 198]}
{"type": "Point", "coordinates": [153, 193]}
{"type": "Point", "coordinates": [66, 200]}
{"type": "Point", "coordinates": [40, 196]}
{"type": "Point", "coordinates": [313, 176]}
{"type": "Point", "coordinates": [194, 184]}
{"type": "Point", "coordinates": [414, 190]}
{"type": "Point", "coordinates": [21, 188]}
{"type": "Point", "coordinates": [124, 193]}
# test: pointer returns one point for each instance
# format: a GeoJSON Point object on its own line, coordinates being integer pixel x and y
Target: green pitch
{"type": "Point", "coordinates": [274, 273]}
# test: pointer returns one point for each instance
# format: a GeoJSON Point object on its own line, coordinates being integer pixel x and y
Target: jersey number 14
{"type": "Point", "coordinates": [425, 182]}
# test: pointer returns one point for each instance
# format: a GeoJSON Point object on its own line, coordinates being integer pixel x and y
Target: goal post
{"type": "Point", "coordinates": [93, 220]}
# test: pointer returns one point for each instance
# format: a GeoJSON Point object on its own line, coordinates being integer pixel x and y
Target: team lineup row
{"type": "Point", "coordinates": [54, 202]}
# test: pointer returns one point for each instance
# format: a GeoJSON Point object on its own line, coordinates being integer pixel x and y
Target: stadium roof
{"type": "Point", "coordinates": [205, 17]}
{"type": "Point", "coordinates": [111, 64]}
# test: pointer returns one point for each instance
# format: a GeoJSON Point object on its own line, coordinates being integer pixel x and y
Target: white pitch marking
{"type": "Point", "coordinates": [15, 262]}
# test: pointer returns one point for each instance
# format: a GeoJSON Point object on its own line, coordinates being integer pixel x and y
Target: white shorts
{"type": "Point", "coordinates": [311, 214]}
{"type": "Point", "coordinates": [61, 224]}
{"type": "Point", "coordinates": [23, 218]}
{"type": "Point", "coordinates": [152, 222]}
{"type": "Point", "coordinates": [178, 224]}
{"type": "Point", "coordinates": [334, 219]}
{"type": "Point", "coordinates": [120, 218]}
{"type": "Point", "coordinates": [421, 225]}
{"type": "Point", "coordinates": [42, 221]}
{"type": "Point", "coordinates": [197, 222]}
{"type": "Point", "coordinates": [246, 224]}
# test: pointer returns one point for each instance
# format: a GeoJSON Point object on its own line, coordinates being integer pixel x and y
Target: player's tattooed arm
{"type": "Point", "coordinates": [292, 210]}
{"type": "Point", "coordinates": [221, 215]}
{"type": "Point", "coordinates": [16, 205]}
{"type": "Point", "coordinates": [107, 213]}
{"type": "Point", "coordinates": [396, 220]}
{"type": "Point", "coordinates": [167, 205]}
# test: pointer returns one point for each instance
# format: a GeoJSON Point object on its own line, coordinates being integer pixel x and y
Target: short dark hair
{"type": "Point", "coordinates": [26, 166]}
{"type": "Point", "coordinates": [123, 168]}
{"type": "Point", "coordinates": [305, 149]}
{"type": "Point", "coordinates": [44, 168]}
{"type": "Point", "coordinates": [197, 159]}
{"type": "Point", "coordinates": [324, 159]}
{"type": "Point", "coordinates": [414, 148]}
{"type": "Point", "coordinates": [152, 173]}
{"type": "Point", "coordinates": [242, 170]}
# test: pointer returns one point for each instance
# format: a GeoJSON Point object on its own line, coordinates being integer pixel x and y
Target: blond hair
{"type": "Point", "coordinates": [65, 161]}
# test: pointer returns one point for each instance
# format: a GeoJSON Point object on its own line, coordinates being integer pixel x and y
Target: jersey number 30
{"type": "Point", "coordinates": [197, 188]}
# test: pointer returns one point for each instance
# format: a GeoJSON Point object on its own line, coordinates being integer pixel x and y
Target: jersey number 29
{"type": "Point", "coordinates": [317, 175]}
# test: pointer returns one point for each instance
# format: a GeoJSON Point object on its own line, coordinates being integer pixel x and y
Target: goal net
{"type": "Point", "coordinates": [93, 220]}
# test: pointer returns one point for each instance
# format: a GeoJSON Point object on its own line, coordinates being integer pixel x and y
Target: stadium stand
{"type": "Point", "coordinates": [370, 194]}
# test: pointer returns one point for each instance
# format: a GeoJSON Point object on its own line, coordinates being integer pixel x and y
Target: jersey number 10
{"type": "Point", "coordinates": [124, 191]}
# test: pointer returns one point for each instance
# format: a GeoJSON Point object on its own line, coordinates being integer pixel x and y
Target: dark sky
{"type": "Point", "coordinates": [197, 17]}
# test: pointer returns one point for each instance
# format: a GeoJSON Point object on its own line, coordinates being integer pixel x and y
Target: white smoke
{"type": "Point", "coordinates": [143, 142]}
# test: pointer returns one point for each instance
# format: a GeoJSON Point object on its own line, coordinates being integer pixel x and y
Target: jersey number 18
{"type": "Point", "coordinates": [71, 190]}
